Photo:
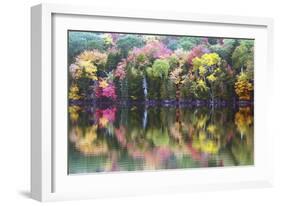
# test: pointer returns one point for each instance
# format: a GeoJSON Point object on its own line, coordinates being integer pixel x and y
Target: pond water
{"type": "Point", "coordinates": [133, 138]}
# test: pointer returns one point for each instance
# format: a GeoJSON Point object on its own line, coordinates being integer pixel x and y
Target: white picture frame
{"type": "Point", "coordinates": [49, 179]}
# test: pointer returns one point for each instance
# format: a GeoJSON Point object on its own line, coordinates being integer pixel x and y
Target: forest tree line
{"type": "Point", "coordinates": [112, 66]}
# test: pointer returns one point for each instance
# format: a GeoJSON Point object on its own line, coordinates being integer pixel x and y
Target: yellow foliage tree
{"type": "Point", "coordinates": [74, 92]}
{"type": "Point", "coordinates": [243, 87]}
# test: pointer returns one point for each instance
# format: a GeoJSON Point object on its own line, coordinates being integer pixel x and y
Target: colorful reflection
{"type": "Point", "coordinates": [140, 137]}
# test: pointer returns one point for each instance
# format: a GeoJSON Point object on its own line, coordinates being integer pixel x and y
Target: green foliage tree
{"type": "Point", "coordinates": [80, 41]}
{"type": "Point", "coordinates": [187, 43]}
{"type": "Point", "coordinates": [112, 60]}
{"type": "Point", "coordinates": [127, 42]}
{"type": "Point", "coordinates": [159, 69]}
{"type": "Point", "coordinates": [157, 75]}
{"type": "Point", "coordinates": [225, 51]}
{"type": "Point", "coordinates": [243, 55]}
{"type": "Point", "coordinates": [171, 42]}
{"type": "Point", "coordinates": [213, 40]}
{"type": "Point", "coordinates": [135, 80]}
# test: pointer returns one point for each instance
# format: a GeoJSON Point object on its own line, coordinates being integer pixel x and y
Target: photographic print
{"type": "Point", "coordinates": [139, 102]}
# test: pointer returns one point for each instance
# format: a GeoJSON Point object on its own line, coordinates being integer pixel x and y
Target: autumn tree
{"type": "Point", "coordinates": [207, 74]}
{"type": "Point", "coordinates": [243, 87]}
{"type": "Point", "coordinates": [178, 76]}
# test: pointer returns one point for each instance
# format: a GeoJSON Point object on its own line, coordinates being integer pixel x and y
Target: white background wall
{"type": "Point", "coordinates": [15, 95]}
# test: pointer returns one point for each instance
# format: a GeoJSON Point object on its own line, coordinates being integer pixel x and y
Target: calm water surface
{"type": "Point", "coordinates": [137, 138]}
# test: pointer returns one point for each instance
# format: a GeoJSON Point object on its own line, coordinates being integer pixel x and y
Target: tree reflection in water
{"type": "Point", "coordinates": [115, 138]}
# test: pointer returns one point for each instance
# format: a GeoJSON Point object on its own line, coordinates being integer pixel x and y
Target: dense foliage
{"type": "Point", "coordinates": [115, 66]}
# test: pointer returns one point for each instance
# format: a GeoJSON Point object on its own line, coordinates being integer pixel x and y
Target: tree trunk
{"type": "Point", "coordinates": [178, 99]}
{"type": "Point", "coordinates": [177, 93]}
{"type": "Point", "coordinates": [144, 85]}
